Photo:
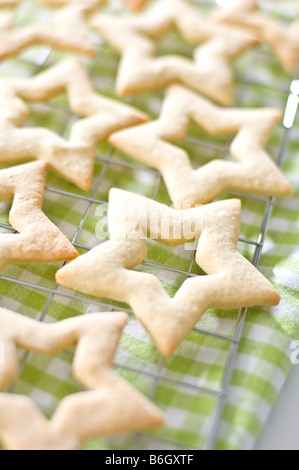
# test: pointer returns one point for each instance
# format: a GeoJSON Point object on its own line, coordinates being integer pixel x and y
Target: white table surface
{"type": "Point", "coordinates": [282, 429]}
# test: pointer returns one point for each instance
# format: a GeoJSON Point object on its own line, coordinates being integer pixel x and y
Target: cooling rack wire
{"type": "Point", "coordinates": [41, 60]}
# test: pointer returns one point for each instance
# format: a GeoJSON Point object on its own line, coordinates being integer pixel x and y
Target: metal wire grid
{"type": "Point", "coordinates": [156, 377]}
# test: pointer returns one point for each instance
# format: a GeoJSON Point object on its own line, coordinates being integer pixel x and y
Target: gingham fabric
{"type": "Point", "coordinates": [189, 385]}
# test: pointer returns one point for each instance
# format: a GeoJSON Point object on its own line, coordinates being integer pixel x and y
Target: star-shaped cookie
{"type": "Point", "coordinates": [231, 282]}
{"type": "Point", "coordinates": [61, 36]}
{"type": "Point", "coordinates": [255, 172]}
{"type": "Point", "coordinates": [284, 41]}
{"type": "Point", "coordinates": [209, 73]}
{"type": "Point", "coordinates": [112, 405]}
{"type": "Point", "coordinates": [38, 241]}
{"type": "Point", "coordinates": [72, 159]}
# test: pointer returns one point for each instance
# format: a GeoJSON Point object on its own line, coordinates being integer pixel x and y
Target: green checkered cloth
{"type": "Point", "coordinates": [186, 386]}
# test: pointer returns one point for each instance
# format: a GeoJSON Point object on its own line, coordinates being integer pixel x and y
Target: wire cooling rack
{"type": "Point", "coordinates": [38, 62]}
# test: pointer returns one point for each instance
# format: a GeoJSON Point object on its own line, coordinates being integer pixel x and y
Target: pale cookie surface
{"type": "Point", "coordinates": [136, 5]}
{"type": "Point", "coordinates": [8, 3]}
{"type": "Point", "coordinates": [209, 73]}
{"type": "Point", "coordinates": [231, 282]}
{"type": "Point", "coordinates": [15, 39]}
{"type": "Point", "coordinates": [38, 241]}
{"type": "Point", "coordinates": [72, 16]}
{"type": "Point", "coordinates": [234, 7]}
{"type": "Point", "coordinates": [283, 40]}
{"type": "Point", "coordinates": [89, 5]}
{"type": "Point", "coordinates": [72, 159]}
{"type": "Point", "coordinates": [256, 172]}
{"type": "Point", "coordinates": [112, 405]}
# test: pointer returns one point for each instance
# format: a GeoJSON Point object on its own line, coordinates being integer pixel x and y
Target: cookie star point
{"type": "Point", "coordinates": [39, 240]}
